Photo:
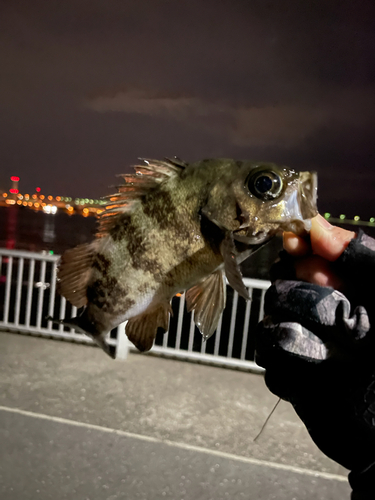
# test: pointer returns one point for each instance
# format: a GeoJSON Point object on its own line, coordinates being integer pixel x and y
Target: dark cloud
{"type": "Point", "coordinates": [87, 87]}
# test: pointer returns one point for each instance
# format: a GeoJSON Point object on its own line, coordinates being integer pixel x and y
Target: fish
{"type": "Point", "coordinates": [174, 227]}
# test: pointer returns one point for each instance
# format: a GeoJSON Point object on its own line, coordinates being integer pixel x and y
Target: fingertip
{"type": "Point", "coordinates": [328, 241]}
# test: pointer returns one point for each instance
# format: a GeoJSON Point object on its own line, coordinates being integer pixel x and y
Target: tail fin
{"type": "Point", "coordinates": [74, 272]}
{"type": "Point", "coordinates": [75, 323]}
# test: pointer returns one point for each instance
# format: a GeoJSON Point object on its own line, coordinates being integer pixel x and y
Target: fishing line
{"type": "Point", "coordinates": [267, 420]}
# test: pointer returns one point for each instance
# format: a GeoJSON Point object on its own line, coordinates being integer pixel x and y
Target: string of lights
{"type": "Point", "coordinates": [90, 206]}
{"type": "Point", "coordinates": [356, 221]}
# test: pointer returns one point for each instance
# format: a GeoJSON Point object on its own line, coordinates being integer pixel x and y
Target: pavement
{"type": "Point", "coordinates": [76, 425]}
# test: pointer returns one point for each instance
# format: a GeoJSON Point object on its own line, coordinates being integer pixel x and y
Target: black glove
{"type": "Point", "coordinates": [323, 361]}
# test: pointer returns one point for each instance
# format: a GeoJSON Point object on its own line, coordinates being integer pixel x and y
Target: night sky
{"type": "Point", "coordinates": [88, 86]}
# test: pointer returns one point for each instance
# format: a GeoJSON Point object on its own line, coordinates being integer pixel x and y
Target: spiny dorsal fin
{"type": "Point", "coordinates": [145, 178]}
{"type": "Point", "coordinates": [74, 272]}
{"type": "Point", "coordinates": [207, 300]}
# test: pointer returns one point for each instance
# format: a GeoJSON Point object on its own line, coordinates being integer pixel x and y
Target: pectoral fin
{"type": "Point", "coordinates": [142, 329]}
{"type": "Point", "coordinates": [232, 269]}
{"type": "Point", "coordinates": [207, 300]}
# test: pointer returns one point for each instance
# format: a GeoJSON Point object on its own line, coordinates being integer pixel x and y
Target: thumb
{"type": "Point", "coordinates": [328, 241]}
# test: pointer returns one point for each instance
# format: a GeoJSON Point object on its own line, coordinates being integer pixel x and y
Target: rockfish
{"type": "Point", "coordinates": [175, 227]}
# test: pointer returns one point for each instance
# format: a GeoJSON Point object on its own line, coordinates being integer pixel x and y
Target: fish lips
{"type": "Point", "coordinates": [300, 204]}
{"type": "Point", "coordinates": [308, 194]}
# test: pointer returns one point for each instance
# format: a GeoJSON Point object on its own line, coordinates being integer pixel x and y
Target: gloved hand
{"type": "Point", "coordinates": [318, 347]}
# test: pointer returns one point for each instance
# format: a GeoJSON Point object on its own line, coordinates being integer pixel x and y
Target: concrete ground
{"type": "Point", "coordinates": [76, 425]}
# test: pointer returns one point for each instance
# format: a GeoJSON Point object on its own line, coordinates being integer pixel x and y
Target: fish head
{"type": "Point", "coordinates": [256, 200]}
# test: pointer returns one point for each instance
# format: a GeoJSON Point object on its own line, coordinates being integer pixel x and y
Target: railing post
{"type": "Point", "coordinates": [122, 342]}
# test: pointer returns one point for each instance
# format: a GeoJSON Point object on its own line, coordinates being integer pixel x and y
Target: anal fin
{"type": "Point", "coordinates": [207, 300]}
{"type": "Point", "coordinates": [142, 329]}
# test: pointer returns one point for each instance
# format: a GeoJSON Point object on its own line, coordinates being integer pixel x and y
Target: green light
{"type": "Point", "coordinates": [51, 252]}
{"type": "Point", "coordinates": [91, 201]}
{"type": "Point", "coordinates": [327, 215]}
{"type": "Point", "coordinates": [372, 219]}
{"type": "Point", "coordinates": [76, 201]}
{"type": "Point", "coordinates": [342, 216]}
{"type": "Point", "coordinates": [86, 200]}
{"type": "Point", "coordinates": [356, 217]}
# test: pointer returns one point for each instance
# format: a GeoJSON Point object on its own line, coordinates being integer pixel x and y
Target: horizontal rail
{"type": "Point", "coordinates": [29, 255]}
{"type": "Point", "coordinates": [255, 283]}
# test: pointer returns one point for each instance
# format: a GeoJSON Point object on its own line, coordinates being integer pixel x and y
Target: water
{"type": "Point", "coordinates": [24, 229]}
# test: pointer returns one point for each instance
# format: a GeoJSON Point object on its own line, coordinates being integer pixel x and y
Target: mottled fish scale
{"type": "Point", "coordinates": [173, 227]}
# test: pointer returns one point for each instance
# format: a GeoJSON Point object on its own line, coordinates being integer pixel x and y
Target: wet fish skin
{"type": "Point", "coordinates": [174, 227]}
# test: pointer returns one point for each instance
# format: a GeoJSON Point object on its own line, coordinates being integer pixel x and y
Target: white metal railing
{"type": "Point", "coordinates": [28, 296]}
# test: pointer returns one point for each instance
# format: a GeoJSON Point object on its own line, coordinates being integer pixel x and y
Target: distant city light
{"type": "Point", "coordinates": [372, 220]}
{"type": "Point", "coordinates": [14, 191]}
{"type": "Point", "coordinates": [10, 202]}
{"type": "Point", "coordinates": [14, 178]}
{"type": "Point", "coordinates": [327, 215]}
{"type": "Point", "coordinates": [5, 195]}
{"type": "Point", "coordinates": [356, 217]}
{"type": "Point", "coordinates": [50, 209]}
{"type": "Point", "coordinates": [342, 216]}
{"type": "Point", "coordinates": [37, 189]}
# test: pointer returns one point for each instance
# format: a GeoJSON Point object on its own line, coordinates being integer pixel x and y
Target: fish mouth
{"type": "Point", "coordinates": [308, 194]}
{"type": "Point", "coordinates": [301, 205]}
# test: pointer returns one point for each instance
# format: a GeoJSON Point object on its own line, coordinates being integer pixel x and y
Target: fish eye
{"type": "Point", "coordinates": [266, 185]}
